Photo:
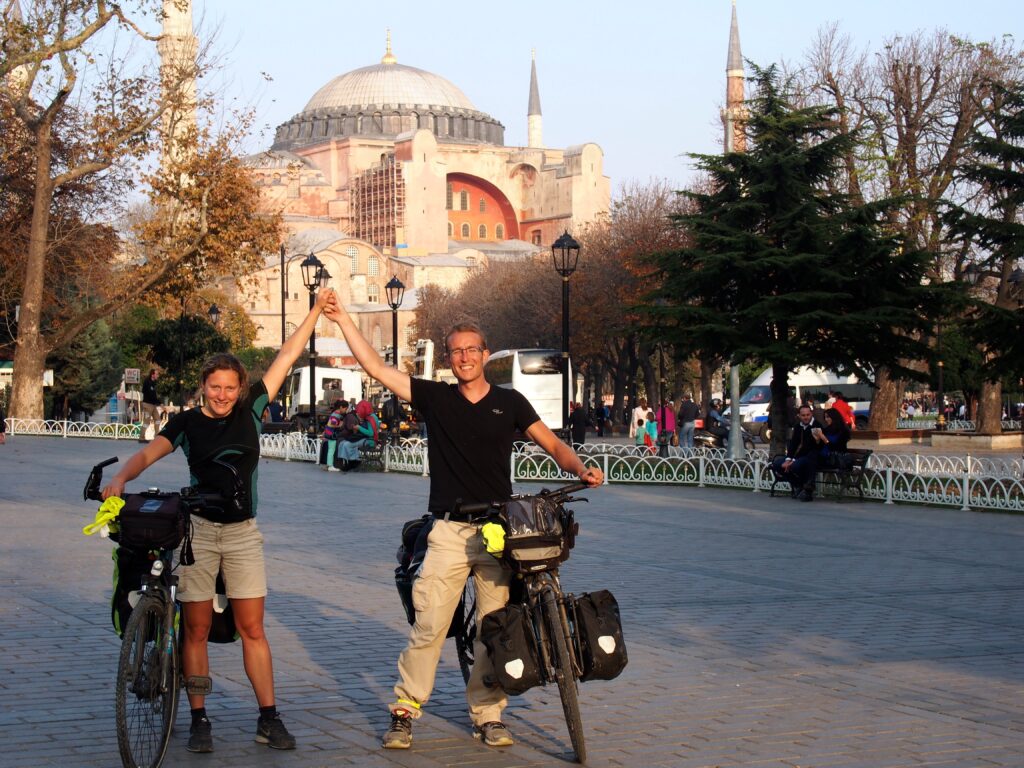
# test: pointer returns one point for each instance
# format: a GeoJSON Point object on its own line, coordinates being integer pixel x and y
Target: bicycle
{"type": "Point", "coordinates": [149, 675]}
{"type": "Point", "coordinates": [538, 591]}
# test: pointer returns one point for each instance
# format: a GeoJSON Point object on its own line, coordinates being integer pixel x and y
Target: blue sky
{"type": "Point", "coordinates": [644, 80]}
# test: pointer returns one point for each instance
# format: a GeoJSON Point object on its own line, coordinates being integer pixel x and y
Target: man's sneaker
{"type": "Point", "coordinates": [200, 736]}
{"type": "Point", "coordinates": [493, 734]}
{"type": "Point", "coordinates": [399, 735]}
{"type": "Point", "coordinates": [271, 731]}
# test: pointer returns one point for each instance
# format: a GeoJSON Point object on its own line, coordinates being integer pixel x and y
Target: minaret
{"type": "Point", "coordinates": [17, 78]}
{"type": "Point", "coordinates": [534, 120]}
{"type": "Point", "coordinates": [735, 113]}
{"type": "Point", "coordinates": [178, 48]}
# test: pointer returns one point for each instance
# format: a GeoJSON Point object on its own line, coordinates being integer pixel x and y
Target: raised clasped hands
{"type": "Point", "coordinates": [325, 298]}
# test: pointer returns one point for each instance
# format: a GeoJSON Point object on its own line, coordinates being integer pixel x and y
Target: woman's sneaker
{"type": "Point", "coordinates": [399, 735]}
{"type": "Point", "coordinates": [271, 731]}
{"type": "Point", "coordinates": [493, 734]}
{"type": "Point", "coordinates": [200, 736]}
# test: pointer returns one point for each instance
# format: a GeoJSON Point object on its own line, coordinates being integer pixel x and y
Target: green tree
{"type": "Point", "coordinates": [784, 270]}
{"type": "Point", "coordinates": [993, 232]}
{"type": "Point", "coordinates": [87, 371]}
{"type": "Point", "coordinates": [180, 346]}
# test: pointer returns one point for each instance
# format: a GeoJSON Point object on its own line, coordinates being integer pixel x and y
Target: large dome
{"type": "Point", "coordinates": [383, 101]}
{"type": "Point", "coordinates": [391, 84]}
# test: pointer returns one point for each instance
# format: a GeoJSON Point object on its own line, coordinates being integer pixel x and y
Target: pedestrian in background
{"type": "Point", "coordinates": [578, 424]}
{"type": "Point", "coordinates": [150, 405]}
{"type": "Point", "coordinates": [687, 420]}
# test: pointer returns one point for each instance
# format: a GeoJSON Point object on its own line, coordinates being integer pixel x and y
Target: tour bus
{"type": "Point", "coordinates": [803, 383]}
{"type": "Point", "coordinates": [331, 384]}
{"type": "Point", "coordinates": [536, 373]}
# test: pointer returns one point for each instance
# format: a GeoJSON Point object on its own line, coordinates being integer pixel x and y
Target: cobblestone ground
{"type": "Point", "coordinates": [761, 632]}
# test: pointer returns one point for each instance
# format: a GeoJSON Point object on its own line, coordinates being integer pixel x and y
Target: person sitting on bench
{"type": "Point", "coordinates": [800, 464]}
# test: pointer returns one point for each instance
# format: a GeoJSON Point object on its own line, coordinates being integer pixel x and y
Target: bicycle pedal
{"type": "Point", "coordinates": [197, 685]}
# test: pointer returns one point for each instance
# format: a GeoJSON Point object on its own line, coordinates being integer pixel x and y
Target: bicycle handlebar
{"type": "Point", "coordinates": [558, 495]}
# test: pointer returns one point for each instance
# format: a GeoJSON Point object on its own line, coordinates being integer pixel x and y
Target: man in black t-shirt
{"type": "Point", "coordinates": [471, 426]}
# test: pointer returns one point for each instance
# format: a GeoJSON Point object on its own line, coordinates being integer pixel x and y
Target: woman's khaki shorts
{"type": "Point", "coordinates": [235, 549]}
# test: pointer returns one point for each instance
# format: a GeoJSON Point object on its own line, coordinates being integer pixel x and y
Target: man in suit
{"type": "Point", "coordinates": [800, 464]}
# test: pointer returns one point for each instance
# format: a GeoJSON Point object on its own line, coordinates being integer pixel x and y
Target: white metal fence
{"type": "Point", "coordinates": [983, 483]}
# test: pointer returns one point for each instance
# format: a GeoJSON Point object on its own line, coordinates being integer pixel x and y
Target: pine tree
{"type": "Point", "coordinates": [783, 270]}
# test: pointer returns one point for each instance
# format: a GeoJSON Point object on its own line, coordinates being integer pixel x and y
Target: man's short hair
{"type": "Point", "coordinates": [465, 326]}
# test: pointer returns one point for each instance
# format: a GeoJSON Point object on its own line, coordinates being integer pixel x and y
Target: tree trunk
{"type": "Point", "coordinates": [779, 417]}
{"type": "Point", "coordinates": [990, 409]}
{"type": "Point", "coordinates": [30, 352]}
{"type": "Point", "coordinates": [885, 404]}
{"type": "Point", "coordinates": [707, 368]}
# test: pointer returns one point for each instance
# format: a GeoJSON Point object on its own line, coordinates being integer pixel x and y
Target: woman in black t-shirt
{"type": "Point", "coordinates": [220, 439]}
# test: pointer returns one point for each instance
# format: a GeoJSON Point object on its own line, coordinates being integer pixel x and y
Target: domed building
{"type": "Point", "coordinates": [416, 182]}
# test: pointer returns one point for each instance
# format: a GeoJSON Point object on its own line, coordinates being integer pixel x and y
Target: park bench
{"type": "Point", "coordinates": [850, 476]}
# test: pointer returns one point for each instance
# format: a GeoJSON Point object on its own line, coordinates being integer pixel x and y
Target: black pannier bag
{"type": "Point", "coordinates": [130, 566]}
{"type": "Point", "coordinates": [410, 557]}
{"type": "Point", "coordinates": [512, 645]}
{"type": "Point", "coordinates": [222, 625]}
{"type": "Point", "coordinates": [152, 520]}
{"type": "Point", "coordinates": [597, 632]}
{"type": "Point", "coordinates": [538, 534]}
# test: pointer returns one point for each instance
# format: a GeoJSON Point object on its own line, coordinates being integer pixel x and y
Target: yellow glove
{"type": "Point", "coordinates": [494, 538]}
{"type": "Point", "coordinates": [108, 511]}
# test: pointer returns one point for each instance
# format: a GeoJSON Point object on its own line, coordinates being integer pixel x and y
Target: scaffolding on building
{"type": "Point", "coordinates": [378, 203]}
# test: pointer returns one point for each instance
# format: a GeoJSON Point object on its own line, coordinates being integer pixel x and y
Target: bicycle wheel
{"type": "Point", "coordinates": [565, 675]}
{"type": "Point", "coordinates": [465, 629]}
{"type": "Point", "coordinates": [147, 696]}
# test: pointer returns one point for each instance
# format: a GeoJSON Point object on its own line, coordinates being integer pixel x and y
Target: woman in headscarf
{"type": "Point", "coordinates": [366, 435]}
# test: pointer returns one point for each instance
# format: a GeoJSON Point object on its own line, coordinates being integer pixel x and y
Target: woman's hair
{"type": "Point", "coordinates": [225, 362]}
{"type": "Point", "coordinates": [836, 418]}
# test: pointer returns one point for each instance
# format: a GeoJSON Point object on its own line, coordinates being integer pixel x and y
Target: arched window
{"type": "Point", "coordinates": [471, 261]}
{"type": "Point", "coordinates": [536, 237]}
{"type": "Point", "coordinates": [465, 231]}
{"type": "Point", "coordinates": [376, 337]}
{"type": "Point", "coordinates": [374, 266]}
{"type": "Point", "coordinates": [464, 200]}
{"type": "Point", "coordinates": [451, 229]}
{"type": "Point", "coordinates": [373, 293]}
{"type": "Point", "coordinates": [448, 198]}
{"type": "Point", "coordinates": [499, 231]}
{"type": "Point", "coordinates": [483, 205]}
{"type": "Point", "coordinates": [353, 254]}
{"type": "Point", "coordinates": [482, 232]}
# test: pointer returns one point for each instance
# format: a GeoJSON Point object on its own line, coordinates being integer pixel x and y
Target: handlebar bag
{"type": "Point", "coordinates": [512, 645]}
{"type": "Point", "coordinates": [597, 634]}
{"type": "Point", "coordinates": [152, 520]}
{"type": "Point", "coordinates": [535, 537]}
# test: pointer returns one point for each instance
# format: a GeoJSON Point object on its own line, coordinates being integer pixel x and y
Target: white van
{"type": "Point", "coordinates": [339, 383]}
{"type": "Point", "coordinates": [535, 373]}
{"type": "Point", "coordinates": [803, 383]}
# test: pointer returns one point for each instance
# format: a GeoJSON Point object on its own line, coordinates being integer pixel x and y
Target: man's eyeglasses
{"type": "Point", "coordinates": [466, 352]}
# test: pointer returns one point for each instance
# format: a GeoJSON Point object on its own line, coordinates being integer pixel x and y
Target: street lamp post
{"type": "Point", "coordinates": [284, 293]}
{"type": "Point", "coordinates": [395, 292]}
{"type": "Point", "coordinates": [565, 253]}
{"type": "Point", "coordinates": [312, 274]}
{"type": "Point", "coordinates": [214, 313]}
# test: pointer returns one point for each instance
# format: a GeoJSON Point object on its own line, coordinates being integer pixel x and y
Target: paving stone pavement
{"type": "Point", "coordinates": [761, 632]}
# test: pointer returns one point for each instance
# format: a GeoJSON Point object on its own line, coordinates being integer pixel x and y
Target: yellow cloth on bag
{"type": "Point", "coordinates": [108, 511]}
{"type": "Point", "coordinates": [494, 538]}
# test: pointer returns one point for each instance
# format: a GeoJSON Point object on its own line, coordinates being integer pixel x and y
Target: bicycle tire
{"type": "Point", "coordinates": [145, 709]}
{"type": "Point", "coordinates": [565, 676]}
{"type": "Point", "coordinates": [466, 630]}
